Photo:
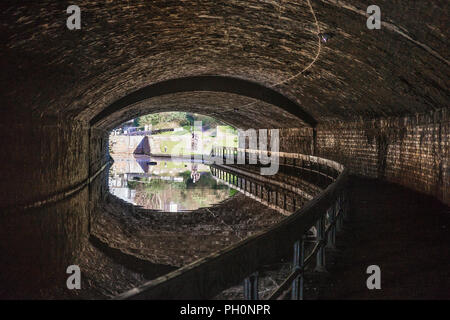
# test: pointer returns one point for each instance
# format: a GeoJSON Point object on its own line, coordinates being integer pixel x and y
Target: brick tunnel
{"type": "Point", "coordinates": [375, 101]}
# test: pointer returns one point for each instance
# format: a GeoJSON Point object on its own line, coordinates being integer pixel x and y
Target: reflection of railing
{"type": "Point", "coordinates": [318, 165]}
{"type": "Point", "coordinates": [282, 197]}
{"type": "Point", "coordinates": [209, 276]}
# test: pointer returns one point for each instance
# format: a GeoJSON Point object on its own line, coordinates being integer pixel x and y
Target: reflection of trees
{"type": "Point", "coordinates": [158, 194]}
{"type": "Point", "coordinates": [155, 193]}
{"type": "Point", "coordinates": [206, 181]}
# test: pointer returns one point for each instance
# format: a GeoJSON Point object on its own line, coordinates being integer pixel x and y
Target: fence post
{"type": "Point", "coordinates": [332, 232]}
{"type": "Point", "coordinates": [339, 213]}
{"type": "Point", "coordinates": [345, 204]}
{"type": "Point", "coordinates": [320, 258]}
{"type": "Point", "coordinates": [297, 283]}
{"type": "Point", "coordinates": [251, 287]}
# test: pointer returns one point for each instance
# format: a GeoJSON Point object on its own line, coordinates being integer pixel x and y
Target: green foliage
{"type": "Point", "coordinates": [156, 185]}
{"type": "Point", "coordinates": [183, 119]}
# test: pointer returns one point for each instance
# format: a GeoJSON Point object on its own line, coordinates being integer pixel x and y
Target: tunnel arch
{"type": "Point", "coordinates": [212, 83]}
{"type": "Point", "coordinates": [239, 111]}
{"type": "Point", "coordinates": [379, 98]}
{"type": "Point", "coordinates": [119, 121]}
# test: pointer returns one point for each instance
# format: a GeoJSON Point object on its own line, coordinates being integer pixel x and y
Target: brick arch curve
{"type": "Point", "coordinates": [212, 83]}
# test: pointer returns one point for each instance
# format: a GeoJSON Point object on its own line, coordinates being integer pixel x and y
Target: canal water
{"type": "Point", "coordinates": [166, 184]}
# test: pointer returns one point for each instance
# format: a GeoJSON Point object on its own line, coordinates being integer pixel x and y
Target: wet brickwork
{"type": "Point", "coordinates": [411, 151]}
{"type": "Point", "coordinates": [374, 100]}
{"type": "Point", "coordinates": [130, 246]}
{"type": "Point", "coordinates": [125, 45]}
{"type": "Point", "coordinates": [179, 238]}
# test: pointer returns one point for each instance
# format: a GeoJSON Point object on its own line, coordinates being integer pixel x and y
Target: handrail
{"type": "Point", "coordinates": [210, 275]}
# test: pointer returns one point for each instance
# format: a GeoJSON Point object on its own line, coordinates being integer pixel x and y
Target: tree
{"type": "Point", "coordinates": [179, 118]}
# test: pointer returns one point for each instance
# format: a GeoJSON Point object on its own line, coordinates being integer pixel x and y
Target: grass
{"type": "Point", "coordinates": [184, 137]}
{"type": "Point", "coordinates": [167, 147]}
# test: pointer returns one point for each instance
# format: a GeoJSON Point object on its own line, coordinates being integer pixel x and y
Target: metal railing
{"type": "Point", "coordinates": [207, 277]}
{"type": "Point", "coordinates": [280, 196]}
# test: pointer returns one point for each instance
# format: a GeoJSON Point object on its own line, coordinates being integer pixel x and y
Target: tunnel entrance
{"type": "Point", "coordinates": [152, 165]}
{"type": "Point", "coordinates": [170, 208]}
{"type": "Point", "coordinates": [364, 103]}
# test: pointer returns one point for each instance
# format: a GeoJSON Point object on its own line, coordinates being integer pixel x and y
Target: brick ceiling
{"type": "Point", "coordinates": [123, 46]}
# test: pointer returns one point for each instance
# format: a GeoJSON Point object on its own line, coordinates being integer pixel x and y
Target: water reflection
{"type": "Point", "coordinates": [165, 184]}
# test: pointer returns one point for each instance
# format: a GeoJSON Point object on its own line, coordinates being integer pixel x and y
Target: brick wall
{"type": "Point", "coordinates": [296, 140]}
{"type": "Point", "coordinates": [411, 151]}
{"type": "Point", "coordinates": [39, 159]}
{"type": "Point", "coordinates": [98, 156]}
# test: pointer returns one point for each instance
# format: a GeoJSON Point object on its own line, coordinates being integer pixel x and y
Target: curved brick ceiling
{"type": "Point", "coordinates": [127, 45]}
{"type": "Point", "coordinates": [212, 84]}
{"type": "Point", "coordinates": [238, 111]}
